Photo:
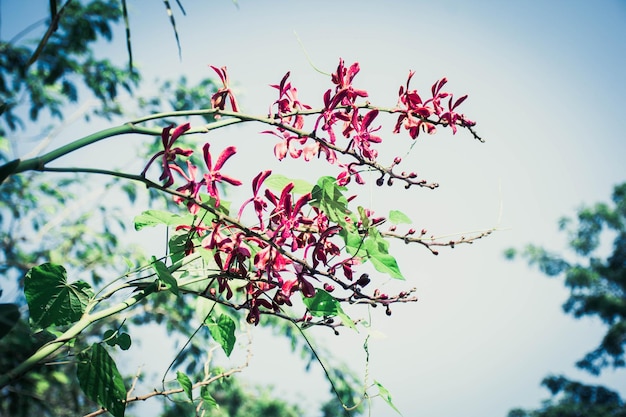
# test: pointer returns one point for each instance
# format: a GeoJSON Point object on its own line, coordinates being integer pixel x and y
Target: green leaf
{"type": "Point", "coordinates": [112, 338]}
{"type": "Point", "coordinates": [207, 398]}
{"type": "Point", "coordinates": [100, 380]}
{"type": "Point", "coordinates": [185, 383]}
{"type": "Point", "coordinates": [224, 207]}
{"type": "Point", "coordinates": [51, 300]}
{"type": "Point", "coordinates": [223, 331]}
{"type": "Point", "coordinates": [165, 276]}
{"type": "Point", "coordinates": [177, 247]}
{"type": "Point", "coordinates": [124, 341]}
{"type": "Point", "coordinates": [377, 249]}
{"type": "Point", "coordinates": [328, 197]}
{"type": "Point", "coordinates": [354, 243]}
{"type": "Point", "coordinates": [387, 264]}
{"type": "Point", "coordinates": [151, 218]}
{"type": "Point", "coordinates": [384, 393]}
{"type": "Point", "coordinates": [398, 217]}
{"type": "Point", "coordinates": [365, 221]}
{"type": "Point", "coordinates": [9, 316]}
{"type": "Point", "coordinates": [278, 182]}
{"type": "Point", "coordinates": [109, 337]}
{"type": "Point", "coordinates": [322, 304]}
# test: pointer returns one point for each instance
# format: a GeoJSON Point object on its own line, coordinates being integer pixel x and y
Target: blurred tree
{"type": "Point", "coordinates": [574, 399]}
{"type": "Point", "coordinates": [595, 274]}
{"type": "Point", "coordinates": [50, 75]}
{"type": "Point", "coordinates": [238, 401]}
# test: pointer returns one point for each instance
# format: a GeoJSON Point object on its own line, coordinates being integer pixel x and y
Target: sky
{"type": "Point", "coordinates": [545, 84]}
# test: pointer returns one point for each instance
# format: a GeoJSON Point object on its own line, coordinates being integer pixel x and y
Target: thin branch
{"type": "Point", "coordinates": [54, 25]}
{"type": "Point", "coordinates": [207, 380]}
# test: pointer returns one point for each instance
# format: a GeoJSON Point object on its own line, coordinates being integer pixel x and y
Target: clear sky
{"type": "Point", "coordinates": [546, 86]}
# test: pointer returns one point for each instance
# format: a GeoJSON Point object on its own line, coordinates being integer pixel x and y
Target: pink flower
{"type": "Point", "coordinates": [169, 153]}
{"type": "Point", "coordinates": [345, 93]}
{"type": "Point", "coordinates": [288, 103]}
{"type": "Point", "coordinates": [363, 133]}
{"type": "Point", "coordinates": [214, 175]}
{"type": "Point", "coordinates": [349, 170]}
{"type": "Point", "coordinates": [259, 204]}
{"type": "Point", "coordinates": [271, 261]}
{"type": "Point", "coordinates": [191, 189]}
{"type": "Point", "coordinates": [414, 113]}
{"type": "Point", "coordinates": [286, 215]}
{"type": "Point", "coordinates": [450, 117]}
{"type": "Point", "coordinates": [287, 145]}
{"type": "Point", "coordinates": [218, 100]}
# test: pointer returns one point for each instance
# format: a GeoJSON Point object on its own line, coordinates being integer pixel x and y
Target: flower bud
{"type": "Point", "coordinates": [363, 280]}
{"type": "Point", "coordinates": [377, 220]}
{"type": "Point", "coordinates": [397, 160]}
{"type": "Point", "coordinates": [328, 287]}
{"type": "Point", "coordinates": [380, 181]}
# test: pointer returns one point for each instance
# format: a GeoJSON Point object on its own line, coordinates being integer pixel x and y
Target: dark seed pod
{"type": "Point", "coordinates": [363, 280]}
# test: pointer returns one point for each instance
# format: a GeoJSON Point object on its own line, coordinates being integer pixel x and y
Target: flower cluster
{"type": "Point", "coordinates": [304, 240]}
{"type": "Point", "coordinates": [191, 189]}
{"type": "Point", "coordinates": [415, 113]}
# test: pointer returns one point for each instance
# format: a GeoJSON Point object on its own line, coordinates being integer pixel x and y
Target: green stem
{"type": "Point", "coordinates": [38, 163]}
{"type": "Point", "coordinates": [69, 334]}
{"type": "Point", "coordinates": [86, 321]}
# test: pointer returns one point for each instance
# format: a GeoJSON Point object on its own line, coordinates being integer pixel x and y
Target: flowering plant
{"type": "Point", "coordinates": [292, 250]}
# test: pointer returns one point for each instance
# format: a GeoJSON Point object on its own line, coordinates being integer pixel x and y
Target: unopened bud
{"type": "Point", "coordinates": [397, 160]}
{"type": "Point", "coordinates": [328, 287]}
{"type": "Point", "coordinates": [363, 280]}
{"type": "Point", "coordinates": [380, 181]}
{"type": "Point", "coordinates": [377, 220]}
{"type": "Point", "coordinates": [410, 232]}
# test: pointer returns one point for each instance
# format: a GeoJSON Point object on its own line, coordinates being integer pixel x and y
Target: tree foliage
{"type": "Point", "coordinates": [595, 274]}
{"type": "Point", "coordinates": [596, 280]}
{"type": "Point", "coordinates": [50, 74]}
{"type": "Point", "coordinates": [575, 399]}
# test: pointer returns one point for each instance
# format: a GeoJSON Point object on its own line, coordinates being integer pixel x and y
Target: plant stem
{"type": "Point", "coordinates": [70, 334]}
{"type": "Point", "coordinates": [86, 321]}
